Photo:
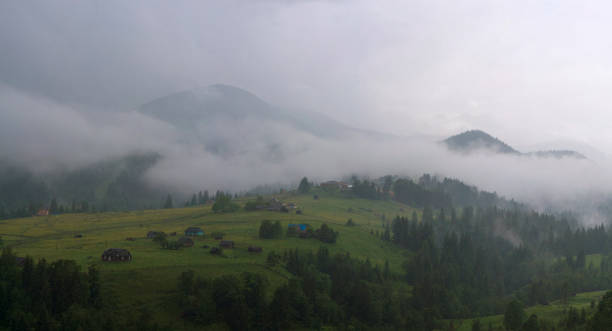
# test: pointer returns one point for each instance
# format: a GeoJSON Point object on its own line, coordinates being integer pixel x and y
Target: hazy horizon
{"type": "Point", "coordinates": [534, 75]}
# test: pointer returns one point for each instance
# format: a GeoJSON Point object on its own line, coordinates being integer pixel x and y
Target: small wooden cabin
{"type": "Point", "coordinates": [226, 244]}
{"type": "Point", "coordinates": [116, 255]}
{"type": "Point", "coordinates": [42, 212]}
{"type": "Point", "coordinates": [185, 242]}
{"type": "Point", "coordinates": [153, 234]}
{"type": "Point", "coordinates": [194, 231]}
{"type": "Point", "coordinates": [255, 249]}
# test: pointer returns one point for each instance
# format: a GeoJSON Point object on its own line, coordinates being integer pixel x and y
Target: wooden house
{"type": "Point", "coordinates": [185, 242]}
{"type": "Point", "coordinates": [116, 255]}
{"type": "Point", "coordinates": [153, 234]}
{"type": "Point", "coordinates": [194, 231]}
{"type": "Point", "coordinates": [255, 249]}
{"type": "Point", "coordinates": [226, 244]}
{"type": "Point", "coordinates": [42, 212]}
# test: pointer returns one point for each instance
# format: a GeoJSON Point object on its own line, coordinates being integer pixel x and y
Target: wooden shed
{"type": "Point", "coordinates": [116, 255]}
{"type": "Point", "coordinates": [255, 249]}
{"type": "Point", "coordinates": [185, 242]}
{"type": "Point", "coordinates": [194, 231]}
{"type": "Point", "coordinates": [226, 244]}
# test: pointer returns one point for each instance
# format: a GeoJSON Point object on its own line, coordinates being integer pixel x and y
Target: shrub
{"type": "Point", "coordinates": [217, 235]}
{"type": "Point", "coordinates": [326, 234]}
{"type": "Point", "coordinates": [269, 230]}
{"type": "Point", "coordinates": [224, 204]}
{"type": "Point", "coordinates": [273, 259]}
{"type": "Point", "coordinates": [252, 205]}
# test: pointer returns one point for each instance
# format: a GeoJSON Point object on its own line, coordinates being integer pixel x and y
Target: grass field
{"type": "Point", "coordinates": [152, 275]}
{"type": "Point", "coordinates": [551, 313]}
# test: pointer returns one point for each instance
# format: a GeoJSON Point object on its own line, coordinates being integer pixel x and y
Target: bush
{"type": "Point", "coordinates": [224, 204]}
{"type": "Point", "coordinates": [269, 230]}
{"type": "Point", "coordinates": [216, 251]}
{"type": "Point", "coordinates": [273, 259]}
{"type": "Point", "coordinates": [173, 245]}
{"type": "Point", "coordinates": [160, 237]}
{"type": "Point", "coordinates": [304, 186]}
{"type": "Point", "coordinates": [252, 205]}
{"type": "Point", "coordinates": [350, 222]}
{"type": "Point", "coordinates": [326, 234]}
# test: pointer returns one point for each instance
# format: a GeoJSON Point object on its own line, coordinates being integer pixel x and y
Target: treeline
{"type": "Point", "coordinates": [54, 208]}
{"type": "Point", "coordinates": [471, 264]}
{"type": "Point", "coordinates": [325, 290]}
{"type": "Point", "coordinates": [58, 296]}
{"type": "Point", "coordinates": [110, 185]}
{"type": "Point", "coordinates": [427, 191]}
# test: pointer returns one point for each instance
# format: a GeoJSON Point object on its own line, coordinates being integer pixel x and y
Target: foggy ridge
{"type": "Point", "coordinates": [477, 140]}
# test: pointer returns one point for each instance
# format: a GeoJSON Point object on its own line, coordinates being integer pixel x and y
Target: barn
{"type": "Point", "coordinates": [116, 255]}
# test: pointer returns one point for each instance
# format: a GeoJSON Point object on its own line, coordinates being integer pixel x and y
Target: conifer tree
{"type": "Point", "coordinates": [168, 203]}
{"type": "Point", "coordinates": [53, 206]}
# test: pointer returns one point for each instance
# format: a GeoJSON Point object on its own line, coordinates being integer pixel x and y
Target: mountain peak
{"type": "Point", "coordinates": [478, 140]}
{"type": "Point", "coordinates": [474, 140]}
{"type": "Point", "coordinates": [188, 108]}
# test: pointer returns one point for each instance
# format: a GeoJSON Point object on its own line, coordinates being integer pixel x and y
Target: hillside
{"type": "Point", "coordinates": [151, 277]}
{"type": "Point", "coordinates": [389, 254]}
{"type": "Point", "coordinates": [557, 154]}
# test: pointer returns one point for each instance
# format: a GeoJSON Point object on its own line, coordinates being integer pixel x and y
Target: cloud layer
{"type": "Point", "coordinates": [72, 73]}
{"type": "Point", "coordinates": [528, 71]}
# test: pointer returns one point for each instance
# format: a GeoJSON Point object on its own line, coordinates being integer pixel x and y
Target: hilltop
{"type": "Point", "coordinates": [477, 140]}
{"type": "Point", "coordinates": [473, 140]}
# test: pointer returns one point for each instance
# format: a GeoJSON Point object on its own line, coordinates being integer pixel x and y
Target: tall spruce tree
{"type": "Point", "coordinates": [168, 204]}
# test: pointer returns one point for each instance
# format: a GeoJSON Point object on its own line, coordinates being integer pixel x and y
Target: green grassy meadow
{"type": "Point", "coordinates": [148, 280]}
{"type": "Point", "coordinates": [551, 313]}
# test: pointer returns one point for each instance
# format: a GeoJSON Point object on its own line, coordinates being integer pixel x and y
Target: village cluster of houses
{"type": "Point", "coordinates": [123, 255]}
{"type": "Point", "coordinates": [335, 185]}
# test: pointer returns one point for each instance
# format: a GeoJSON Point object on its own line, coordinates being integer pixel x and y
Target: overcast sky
{"type": "Point", "coordinates": [525, 71]}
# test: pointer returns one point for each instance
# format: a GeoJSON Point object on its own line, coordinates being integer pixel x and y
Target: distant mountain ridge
{"type": "Point", "coordinates": [473, 140]}
{"type": "Point", "coordinates": [219, 102]}
{"type": "Point", "coordinates": [477, 140]}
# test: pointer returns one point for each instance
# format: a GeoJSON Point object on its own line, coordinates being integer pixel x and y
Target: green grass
{"type": "Point", "coordinates": [551, 313]}
{"type": "Point", "coordinates": [150, 279]}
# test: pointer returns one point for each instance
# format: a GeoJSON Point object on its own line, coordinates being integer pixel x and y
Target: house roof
{"type": "Point", "coordinates": [194, 229]}
{"type": "Point", "coordinates": [302, 227]}
{"type": "Point", "coordinates": [116, 252]}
